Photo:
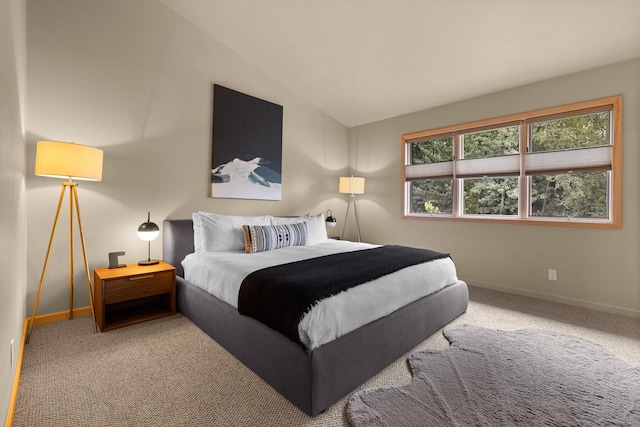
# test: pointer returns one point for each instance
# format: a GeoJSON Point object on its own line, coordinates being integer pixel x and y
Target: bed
{"type": "Point", "coordinates": [311, 379]}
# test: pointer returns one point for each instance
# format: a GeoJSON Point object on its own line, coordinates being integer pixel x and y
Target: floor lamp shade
{"type": "Point", "coordinates": [351, 185]}
{"type": "Point", "coordinates": [68, 160]}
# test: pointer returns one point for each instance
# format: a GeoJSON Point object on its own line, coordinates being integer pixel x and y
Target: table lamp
{"type": "Point", "coordinates": [148, 231]}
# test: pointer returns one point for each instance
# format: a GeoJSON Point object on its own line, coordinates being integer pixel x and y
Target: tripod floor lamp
{"type": "Point", "coordinates": [351, 185]}
{"type": "Point", "coordinates": [70, 162]}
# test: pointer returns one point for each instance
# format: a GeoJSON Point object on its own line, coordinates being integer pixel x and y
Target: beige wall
{"type": "Point", "coordinates": [596, 268]}
{"type": "Point", "coordinates": [136, 79]}
{"type": "Point", "coordinates": [12, 186]}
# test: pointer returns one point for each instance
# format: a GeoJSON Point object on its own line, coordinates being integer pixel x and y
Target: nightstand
{"type": "Point", "coordinates": [132, 294]}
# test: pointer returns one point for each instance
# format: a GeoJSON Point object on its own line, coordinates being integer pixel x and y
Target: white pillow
{"type": "Point", "coordinates": [215, 232]}
{"type": "Point", "coordinates": [317, 231]}
{"type": "Point", "coordinates": [197, 232]}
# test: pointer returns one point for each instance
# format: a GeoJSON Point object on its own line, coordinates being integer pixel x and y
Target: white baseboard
{"type": "Point", "coordinates": [559, 299]}
{"type": "Point", "coordinates": [16, 377]}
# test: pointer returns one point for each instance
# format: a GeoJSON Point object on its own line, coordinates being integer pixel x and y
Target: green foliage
{"type": "Point", "coordinates": [574, 132]}
{"type": "Point", "coordinates": [491, 196]}
{"type": "Point", "coordinates": [576, 195]}
{"type": "Point", "coordinates": [492, 143]}
{"type": "Point", "coordinates": [432, 151]}
{"type": "Point", "coordinates": [433, 196]}
{"type": "Point", "coordinates": [430, 208]}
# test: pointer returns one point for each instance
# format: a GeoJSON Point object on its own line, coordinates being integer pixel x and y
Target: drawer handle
{"type": "Point", "coordinates": [148, 276]}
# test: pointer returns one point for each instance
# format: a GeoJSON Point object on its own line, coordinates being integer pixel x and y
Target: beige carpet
{"type": "Point", "coordinates": [168, 373]}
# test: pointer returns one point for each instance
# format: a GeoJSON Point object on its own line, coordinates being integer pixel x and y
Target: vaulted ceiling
{"type": "Point", "coordinates": [362, 61]}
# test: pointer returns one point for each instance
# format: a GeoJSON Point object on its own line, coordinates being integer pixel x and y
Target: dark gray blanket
{"type": "Point", "coordinates": [279, 296]}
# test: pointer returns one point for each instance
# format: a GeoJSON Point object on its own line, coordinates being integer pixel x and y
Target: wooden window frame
{"type": "Point", "coordinates": [614, 221]}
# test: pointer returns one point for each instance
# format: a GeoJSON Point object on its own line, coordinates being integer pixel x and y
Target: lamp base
{"type": "Point", "coordinates": [148, 262]}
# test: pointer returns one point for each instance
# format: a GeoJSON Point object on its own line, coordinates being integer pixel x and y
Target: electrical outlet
{"type": "Point", "coordinates": [13, 353]}
{"type": "Point", "coordinates": [553, 274]}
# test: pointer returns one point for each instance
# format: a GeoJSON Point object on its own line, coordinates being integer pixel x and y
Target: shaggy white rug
{"type": "Point", "coordinates": [527, 377]}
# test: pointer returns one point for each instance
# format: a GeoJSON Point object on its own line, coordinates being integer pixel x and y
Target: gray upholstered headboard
{"type": "Point", "coordinates": [177, 242]}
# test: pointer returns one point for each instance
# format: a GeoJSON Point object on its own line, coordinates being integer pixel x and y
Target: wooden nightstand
{"type": "Point", "coordinates": [132, 294]}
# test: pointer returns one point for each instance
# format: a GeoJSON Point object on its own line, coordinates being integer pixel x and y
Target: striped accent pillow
{"type": "Point", "coordinates": [261, 238]}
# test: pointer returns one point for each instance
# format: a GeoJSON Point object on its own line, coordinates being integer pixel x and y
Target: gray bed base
{"type": "Point", "coordinates": [311, 380]}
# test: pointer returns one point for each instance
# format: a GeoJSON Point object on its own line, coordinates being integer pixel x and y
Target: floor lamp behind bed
{"type": "Point", "coordinates": [70, 162]}
{"type": "Point", "coordinates": [351, 185]}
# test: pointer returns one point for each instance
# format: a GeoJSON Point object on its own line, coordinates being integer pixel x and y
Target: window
{"type": "Point", "coordinates": [558, 166]}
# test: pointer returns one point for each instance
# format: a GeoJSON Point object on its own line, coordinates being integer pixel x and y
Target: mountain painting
{"type": "Point", "coordinates": [247, 147]}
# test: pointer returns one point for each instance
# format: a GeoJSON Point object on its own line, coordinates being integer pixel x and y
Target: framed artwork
{"type": "Point", "coordinates": [247, 147]}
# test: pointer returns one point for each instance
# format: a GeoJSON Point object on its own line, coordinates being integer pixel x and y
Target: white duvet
{"type": "Point", "coordinates": [221, 274]}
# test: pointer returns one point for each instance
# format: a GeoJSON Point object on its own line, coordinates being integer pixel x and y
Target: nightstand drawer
{"type": "Point", "coordinates": [138, 286]}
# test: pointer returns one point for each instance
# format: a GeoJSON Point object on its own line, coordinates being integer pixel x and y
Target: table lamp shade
{"type": "Point", "coordinates": [351, 185]}
{"type": "Point", "coordinates": [148, 231]}
{"type": "Point", "coordinates": [68, 160]}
